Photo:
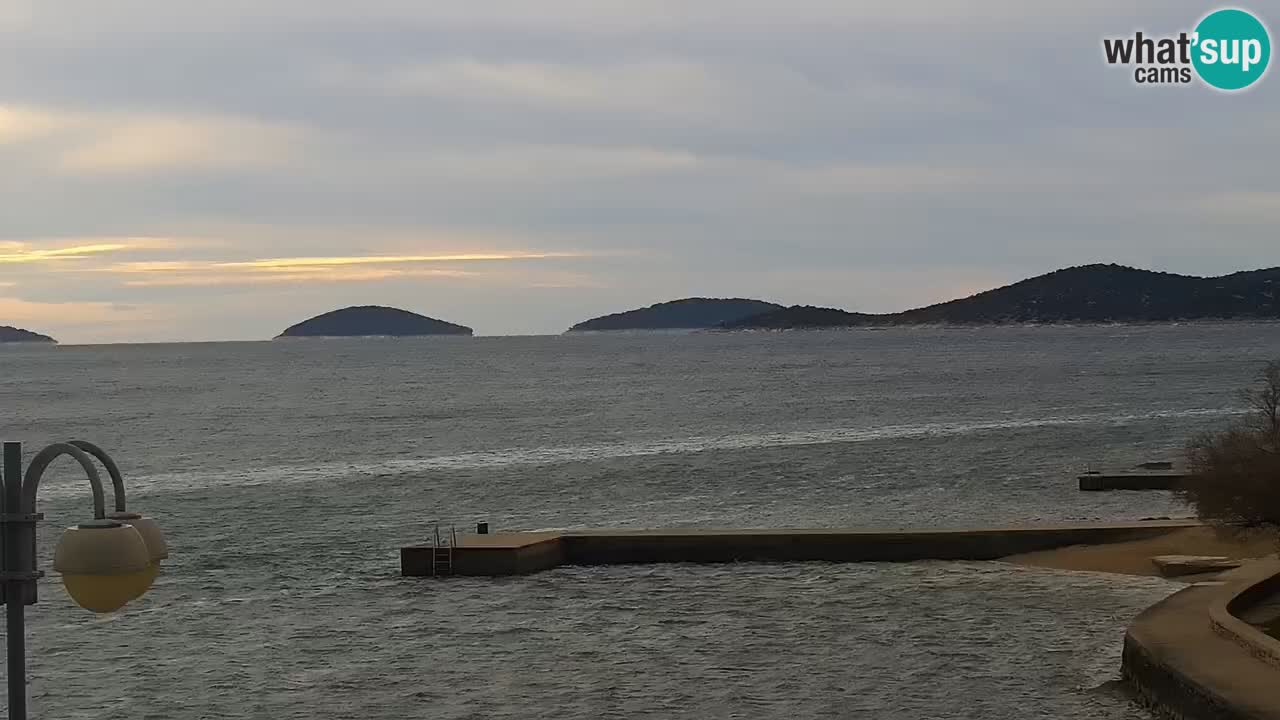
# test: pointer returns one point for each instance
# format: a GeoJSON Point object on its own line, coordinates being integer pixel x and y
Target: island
{"type": "Point", "coordinates": [18, 335]}
{"type": "Point", "coordinates": [372, 321]}
{"type": "Point", "coordinates": [686, 314]}
{"type": "Point", "coordinates": [1088, 294]}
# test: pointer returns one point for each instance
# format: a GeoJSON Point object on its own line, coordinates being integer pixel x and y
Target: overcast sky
{"type": "Point", "coordinates": [220, 169]}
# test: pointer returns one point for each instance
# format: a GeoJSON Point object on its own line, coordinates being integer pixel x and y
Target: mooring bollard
{"type": "Point", "coordinates": [482, 528]}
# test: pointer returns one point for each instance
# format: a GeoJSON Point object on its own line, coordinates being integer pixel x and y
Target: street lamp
{"type": "Point", "coordinates": [105, 563]}
{"type": "Point", "coordinates": [152, 537]}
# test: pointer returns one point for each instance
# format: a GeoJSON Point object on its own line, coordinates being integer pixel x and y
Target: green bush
{"type": "Point", "coordinates": [1234, 474]}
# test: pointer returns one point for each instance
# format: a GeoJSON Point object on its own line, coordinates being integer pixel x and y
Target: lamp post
{"type": "Point", "coordinates": [105, 563]}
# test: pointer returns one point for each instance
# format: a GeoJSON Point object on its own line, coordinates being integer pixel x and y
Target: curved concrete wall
{"type": "Point", "coordinates": [1190, 658]}
{"type": "Point", "coordinates": [1226, 611]}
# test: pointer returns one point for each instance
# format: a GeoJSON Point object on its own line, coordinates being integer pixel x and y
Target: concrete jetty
{"type": "Point", "coordinates": [1130, 480]}
{"type": "Point", "coordinates": [519, 553]}
{"type": "Point", "coordinates": [1147, 476]}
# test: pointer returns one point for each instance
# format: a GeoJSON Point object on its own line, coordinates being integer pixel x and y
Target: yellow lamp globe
{"type": "Point", "coordinates": [153, 536]}
{"type": "Point", "coordinates": [104, 564]}
{"type": "Point", "coordinates": [149, 529]}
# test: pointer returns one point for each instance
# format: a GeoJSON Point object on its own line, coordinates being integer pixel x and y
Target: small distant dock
{"type": "Point", "coordinates": [1147, 476]}
{"type": "Point", "coordinates": [520, 553]}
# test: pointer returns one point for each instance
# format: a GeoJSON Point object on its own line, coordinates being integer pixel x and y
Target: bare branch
{"type": "Point", "coordinates": [1234, 474]}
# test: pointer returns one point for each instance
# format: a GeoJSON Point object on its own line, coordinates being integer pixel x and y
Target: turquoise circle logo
{"type": "Point", "coordinates": [1232, 49]}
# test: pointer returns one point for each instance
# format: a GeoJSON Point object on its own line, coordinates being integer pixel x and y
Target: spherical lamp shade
{"type": "Point", "coordinates": [104, 565]}
{"type": "Point", "coordinates": [150, 531]}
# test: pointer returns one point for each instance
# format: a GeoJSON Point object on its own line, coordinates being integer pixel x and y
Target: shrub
{"type": "Point", "coordinates": [1234, 474]}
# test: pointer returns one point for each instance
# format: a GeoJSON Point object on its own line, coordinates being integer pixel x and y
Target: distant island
{"type": "Point", "coordinates": [1085, 294]}
{"type": "Point", "coordinates": [18, 335]}
{"type": "Point", "coordinates": [372, 321]}
{"type": "Point", "coordinates": [686, 314]}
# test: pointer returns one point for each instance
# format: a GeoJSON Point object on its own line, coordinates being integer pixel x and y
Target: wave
{"type": "Point", "coordinates": [751, 441]}
{"type": "Point", "coordinates": [509, 457]}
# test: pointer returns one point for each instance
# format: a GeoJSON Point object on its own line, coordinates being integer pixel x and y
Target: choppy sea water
{"type": "Point", "coordinates": [288, 475]}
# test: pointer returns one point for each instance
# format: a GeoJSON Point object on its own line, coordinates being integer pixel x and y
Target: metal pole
{"type": "Point", "coordinates": [18, 557]}
{"type": "Point", "coordinates": [18, 537]}
{"type": "Point", "coordinates": [117, 480]}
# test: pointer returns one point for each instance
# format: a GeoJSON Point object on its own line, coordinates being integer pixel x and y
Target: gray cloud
{"type": "Point", "coordinates": [804, 152]}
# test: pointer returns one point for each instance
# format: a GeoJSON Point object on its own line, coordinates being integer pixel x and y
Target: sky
{"type": "Point", "coordinates": [218, 170]}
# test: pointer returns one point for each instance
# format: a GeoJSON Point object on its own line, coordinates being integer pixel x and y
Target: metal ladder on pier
{"type": "Point", "coordinates": [442, 551]}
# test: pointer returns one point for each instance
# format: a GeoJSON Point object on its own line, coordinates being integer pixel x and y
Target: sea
{"type": "Point", "coordinates": [288, 475]}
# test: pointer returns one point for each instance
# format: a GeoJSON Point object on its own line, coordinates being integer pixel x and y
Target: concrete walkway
{"type": "Point", "coordinates": [518, 553]}
{"type": "Point", "coordinates": [1182, 667]}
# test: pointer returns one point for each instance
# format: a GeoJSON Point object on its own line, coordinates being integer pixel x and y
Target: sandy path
{"type": "Point", "coordinates": [1134, 558]}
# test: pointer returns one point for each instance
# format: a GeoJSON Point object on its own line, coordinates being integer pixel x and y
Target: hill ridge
{"type": "Point", "coordinates": [10, 334]}
{"type": "Point", "coordinates": [690, 313]}
{"type": "Point", "coordinates": [1093, 293]}
{"type": "Point", "coordinates": [372, 321]}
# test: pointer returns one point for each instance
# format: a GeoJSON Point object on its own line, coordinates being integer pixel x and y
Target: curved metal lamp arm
{"type": "Point", "coordinates": [117, 480]}
{"type": "Point", "coordinates": [41, 462]}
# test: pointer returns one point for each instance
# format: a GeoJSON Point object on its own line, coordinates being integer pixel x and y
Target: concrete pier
{"type": "Point", "coordinates": [527, 552]}
{"type": "Point", "coordinates": [1130, 480]}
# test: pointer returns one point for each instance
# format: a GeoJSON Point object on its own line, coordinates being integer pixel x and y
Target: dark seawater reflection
{"type": "Point", "coordinates": [289, 474]}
